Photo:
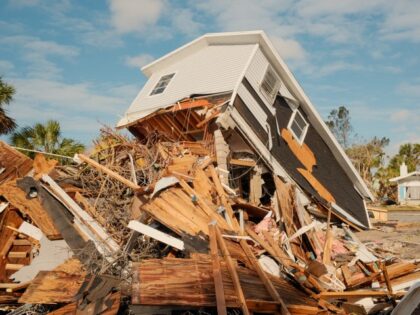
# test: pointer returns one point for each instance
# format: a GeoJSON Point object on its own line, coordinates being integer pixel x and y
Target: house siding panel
{"type": "Point", "coordinates": [212, 69]}
{"type": "Point", "coordinates": [327, 170]}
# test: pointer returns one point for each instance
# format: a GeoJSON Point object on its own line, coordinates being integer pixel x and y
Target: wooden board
{"type": "Point", "coordinates": [189, 282]}
{"type": "Point", "coordinates": [30, 207]}
{"type": "Point", "coordinates": [321, 190]}
{"type": "Point", "coordinates": [50, 287]}
{"type": "Point", "coordinates": [16, 164]}
{"type": "Point", "coordinates": [302, 152]}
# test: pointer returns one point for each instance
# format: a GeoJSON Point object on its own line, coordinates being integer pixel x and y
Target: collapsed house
{"type": "Point", "coordinates": [233, 198]}
{"type": "Point", "coordinates": [239, 81]}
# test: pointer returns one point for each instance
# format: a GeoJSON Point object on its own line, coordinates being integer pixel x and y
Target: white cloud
{"type": "Point", "coordinates": [183, 20]}
{"type": "Point", "coordinates": [81, 108]}
{"type": "Point", "coordinates": [139, 60]}
{"type": "Point", "coordinates": [134, 16]}
{"type": "Point", "coordinates": [289, 49]}
{"type": "Point", "coordinates": [36, 53]}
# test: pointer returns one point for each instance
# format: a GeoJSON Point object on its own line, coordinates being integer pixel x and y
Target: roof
{"type": "Point", "coordinates": [260, 38]}
{"type": "Point", "coordinates": [398, 178]}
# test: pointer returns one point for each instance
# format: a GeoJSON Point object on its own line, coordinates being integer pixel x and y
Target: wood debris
{"type": "Point", "coordinates": [167, 223]}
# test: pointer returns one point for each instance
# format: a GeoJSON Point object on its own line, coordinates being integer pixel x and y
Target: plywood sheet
{"type": "Point", "coordinates": [16, 164]}
{"type": "Point", "coordinates": [30, 207]}
{"type": "Point", "coordinates": [50, 287]}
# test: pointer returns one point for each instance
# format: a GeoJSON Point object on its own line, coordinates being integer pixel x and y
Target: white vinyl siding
{"type": "Point", "coordinates": [255, 75]}
{"type": "Point", "coordinates": [298, 126]}
{"type": "Point", "coordinates": [253, 106]}
{"type": "Point", "coordinates": [211, 69]}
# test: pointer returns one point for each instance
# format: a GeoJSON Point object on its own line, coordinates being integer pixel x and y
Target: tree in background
{"type": "Point", "coordinates": [339, 123]}
{"type": "Point", "coordinates": [7, 124]}
{"type": "Point", "coordinates": [368, 157]}
{"type": "Point", "coordinates": [408, 153]}
{"type": "Point", "coordinates": [47, 138]}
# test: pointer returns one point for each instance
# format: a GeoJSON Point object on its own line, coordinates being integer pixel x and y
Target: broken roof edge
{"type": "Point", "coordinates": [261, 38]}
{"type": "Point", "coordinates": [126, 122]}
{"type": "Point", "coordinates": [395, 179]}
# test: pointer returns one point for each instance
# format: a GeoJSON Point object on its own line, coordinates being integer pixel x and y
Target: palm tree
{"type": "Point", "coordinates": [47, 138]}
{"type": "Point", "coordinates": [7, 124]}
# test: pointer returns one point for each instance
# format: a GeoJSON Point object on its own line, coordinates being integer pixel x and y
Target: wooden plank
{"type": "Point", "coordinates": [30, 207]}
{"type": "Point", "coordinates": [17, 254]}
{"type": "Point", "coordinates": [386, 276]}
{"type": "Point", "coordinates": [104, 243]}
{"type": "Point", "coordinates": [302, 152]}
{"type": "Point", "coordinates": [217, 274]}
{"type": "Point", "coordinates": [156, 234]}
{"type": "Point", "coordinates": [21, 242]}
{"type": "Point", "coordinates": [265, 280]}
{"type": "Point", "coordinates": [356, 294]}
{"type": "Point", "coordinates": [107, 171]}
{"type": "Point", "coordinates": [232, 270]}
{"type": "Point", "coordinates": [16, 164]}
{"type": "Point", "coordinates": [317, 185]}
{"type": "Point", "coordinates": [204, 206]}
{"type": "Point", "coordinates": [286, 260]}
{"type": "Point", "coordinates": [190, 283]}
{"type": "Point", "coordinates": [14, 266]}
{"type": "Point", "coordinates": [220, 191]}
{"type": "Point", "coordinates": [51, 287]}
{"type": "Point", "coordinates": [326, 255]}
{"type": "Point", "coordinates": [241, 162]}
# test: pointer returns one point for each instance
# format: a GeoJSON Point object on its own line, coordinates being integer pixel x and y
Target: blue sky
{"type": "Point", "coordinates": [78, 61]}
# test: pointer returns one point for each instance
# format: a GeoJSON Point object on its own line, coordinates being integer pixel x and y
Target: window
{"type": "Point", "coordinates": [298, 126]}
{"type": "Point", "coordinates": [270, 84]}
{"type": "Point", "coordinates": [162, 84]}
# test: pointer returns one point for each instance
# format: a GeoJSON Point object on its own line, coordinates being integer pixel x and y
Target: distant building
{"type": "Point", "coordinates": [408, 186]}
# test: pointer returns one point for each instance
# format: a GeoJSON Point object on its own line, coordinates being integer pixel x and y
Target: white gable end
{"type": "Point", "coordinates": [211, 69]}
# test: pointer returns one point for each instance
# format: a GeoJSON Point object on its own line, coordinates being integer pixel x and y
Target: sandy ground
{"type": "Point", "coordinates": [399, 236]}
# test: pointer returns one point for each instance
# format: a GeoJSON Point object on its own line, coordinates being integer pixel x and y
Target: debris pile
{"type": "Point", "coordinates": [162, 226]}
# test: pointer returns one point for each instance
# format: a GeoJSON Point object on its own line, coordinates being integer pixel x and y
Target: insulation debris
{"type": "Point", "coordinates": [155, 225]}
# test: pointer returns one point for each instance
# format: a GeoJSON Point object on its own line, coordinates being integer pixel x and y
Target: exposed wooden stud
{"type": "Point", "coordinates": [107, 171]}
{"type": "Point", "coordinates": [264, 278]}
{"type": "Point", "coordinates": [217, 274]}
{"type": "Point", "coordinates": [232, 270]}
{"type": "Point", "coordinates": [220, 191]}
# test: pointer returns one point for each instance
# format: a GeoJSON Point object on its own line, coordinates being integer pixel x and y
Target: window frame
{"type": "Point", "coordinates": [300, 139]}
{"type": "Point", "coordinates": [151, 94]}
{"type": "Point", "coordinates": [276, 87]}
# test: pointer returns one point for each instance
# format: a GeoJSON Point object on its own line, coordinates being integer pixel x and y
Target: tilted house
{"type": "Point", "coordinates": [239, 81]}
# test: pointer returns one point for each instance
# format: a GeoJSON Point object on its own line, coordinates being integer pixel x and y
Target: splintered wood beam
{"type": "Point", "coordinates": [326, 255]}
{"type": "Point", "coordinates": [355, 294]}
{"type": "Point", "coordinates": [156, 234]}
{"type": "Point", "coordinates": [206, 120]}
{"type": "Point", "coordinates": [240, 162]}
{"type": "Point", "coordinates": [264, 278]}
{"type": "Point", "coordinates": [217, 273]}
{"type": "Point", "coordinates": [232, 270]}
{"type": "Point", "coordinates": [220, 191]}
{"type": "Point", "coordinates": [287, 261]}
{"type": "Point", "coordinates": [107, 171]}
{"type": "Point", "coordinates": [203, 205]}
